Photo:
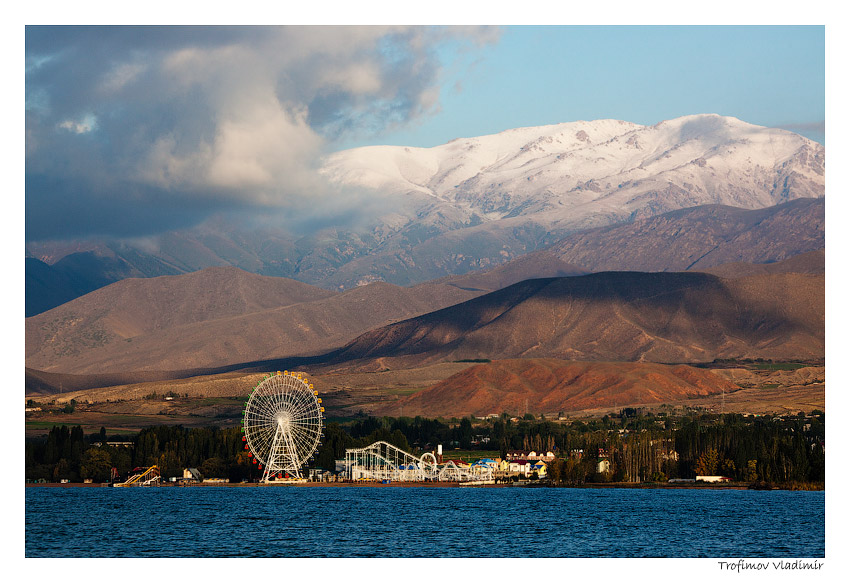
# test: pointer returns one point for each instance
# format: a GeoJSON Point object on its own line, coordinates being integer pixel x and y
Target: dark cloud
{"type": "Point", "coordinates": [135, 130]}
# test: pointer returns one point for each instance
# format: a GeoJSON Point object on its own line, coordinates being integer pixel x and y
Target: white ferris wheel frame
{"type": "Point", "coordinates": [282, 423]}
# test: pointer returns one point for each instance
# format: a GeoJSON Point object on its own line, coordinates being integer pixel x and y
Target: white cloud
{"type": "Point", "coordinates": [83, 125]}
{"type": "Point", "coordinates": [240, 116]}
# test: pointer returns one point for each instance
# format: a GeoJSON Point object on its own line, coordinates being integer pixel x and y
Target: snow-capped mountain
{"type": "Point", "coordinates": [585, 174]}
{"type": "Point", "coordinates": [475, 203]}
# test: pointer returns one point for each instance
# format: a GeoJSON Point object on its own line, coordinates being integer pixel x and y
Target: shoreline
{"type": "Point", "coordinates": [624, 485]}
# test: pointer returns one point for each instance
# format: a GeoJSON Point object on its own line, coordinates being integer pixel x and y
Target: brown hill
{"type": "Point", "coordinates": [658, 317]}
{"type": "Point", "coordinates": [551, 386]}
{"type": "Point", "coordinates": [811, 262]}
{"type": "Point", "coordinates": [212, 318]}
{"type": "Point", "coordinates": [698, 238]}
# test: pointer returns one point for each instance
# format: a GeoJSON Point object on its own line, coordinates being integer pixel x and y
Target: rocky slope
{"type": "Point", "coordinates": [699, 238]}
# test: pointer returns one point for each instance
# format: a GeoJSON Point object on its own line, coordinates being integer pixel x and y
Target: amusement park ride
{"type": "Point", "coordinates": [384, 462]}
{"type": "Point", "coordinates": [282, 423]}
{"type": "Point", "coordinates": [282, 430]}
{"type": "Point", "coordinates": [139, 477]}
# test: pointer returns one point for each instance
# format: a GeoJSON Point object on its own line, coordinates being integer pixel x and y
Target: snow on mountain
{"type": "Point", "coordinates": [475, 203]}
{"type": "Point", "coordinates": [585, 174]}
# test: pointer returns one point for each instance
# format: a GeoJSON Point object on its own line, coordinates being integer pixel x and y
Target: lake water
{"type": "Point", "coordinates": [422, 522]}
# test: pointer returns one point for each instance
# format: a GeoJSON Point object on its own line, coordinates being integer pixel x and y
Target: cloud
{"type": "Point", "coordinates": [140, 129]}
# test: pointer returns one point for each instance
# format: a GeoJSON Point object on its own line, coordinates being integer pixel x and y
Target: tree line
{"type": "Point", "coordinates": [634, 447]}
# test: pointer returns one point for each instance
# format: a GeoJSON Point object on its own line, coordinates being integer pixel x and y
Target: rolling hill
{"type": "Point", "coordinates": [223, 317]}
{"type": "Point", "coordinates": [624, 316]}
{"type": "Point", "coordinates": [550, 386]}
{"type": "Point", "coordinates": [214, 317]}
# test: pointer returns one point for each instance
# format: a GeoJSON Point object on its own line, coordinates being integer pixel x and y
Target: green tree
{"type": "Point", "coordinates": [213, 468]}
{"type": "Point", "coordinates": [95, 464]}
{"type": "Point", "coordinates": [751, 473]}
{"type": "Point", "coordinates": [706, 465]}
{"type": "Point", "coordinates": [465, 436]}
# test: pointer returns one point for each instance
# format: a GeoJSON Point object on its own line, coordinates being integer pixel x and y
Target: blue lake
{"type": "Point", "coordinates": [422, 522]}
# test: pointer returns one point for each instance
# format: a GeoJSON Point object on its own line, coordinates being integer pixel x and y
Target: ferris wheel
{"type": "Point", "coordinates": [282, 423]}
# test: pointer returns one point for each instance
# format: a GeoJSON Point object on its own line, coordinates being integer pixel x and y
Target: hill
{"type": "Point", "coordinates": [631, 316]}
{"type": "Point", "coordinates": [811, 262]}
{"type": "Point", "coordinates": [699, 238]}
{"type": "Point", "coordinates": [211, 318]}
{"type": "Point", "coordinates": [551, 386]}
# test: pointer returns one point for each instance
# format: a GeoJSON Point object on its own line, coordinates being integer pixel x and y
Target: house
{"type": "Point", "coordinates": [540, 467]}
{"type": "Point", "coordinates": [520, 454]}
{"type": "Point", "coordinates": [192, 475]}
{"type": "Point", "coordinates": [603, 466]}
{"type": "Point", "coordinates": [522, 467]}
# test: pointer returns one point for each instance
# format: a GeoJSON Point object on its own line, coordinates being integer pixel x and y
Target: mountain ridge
{"type": "Point", "coordinates": [631, 316]}
{"type": "Point", "coordinates": [476, 203]}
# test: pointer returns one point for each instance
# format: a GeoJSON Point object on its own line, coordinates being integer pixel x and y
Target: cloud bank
{"type": "Point", "coordinates": [136, 130]}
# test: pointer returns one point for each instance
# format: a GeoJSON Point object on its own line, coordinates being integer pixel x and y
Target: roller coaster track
{"type": "Point", "coordinates": [148, 477]}
{"type": "Point", "coordinates": [384, 461]}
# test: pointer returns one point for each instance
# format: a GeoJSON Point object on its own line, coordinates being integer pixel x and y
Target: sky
{"type": "Point", "coordinates": [537, 75]}
{"type": "Point", "coordinates": [133, 131]}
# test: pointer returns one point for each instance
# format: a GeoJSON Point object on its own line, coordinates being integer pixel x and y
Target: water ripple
{"type": "Point", "coordinates": [421, 522]}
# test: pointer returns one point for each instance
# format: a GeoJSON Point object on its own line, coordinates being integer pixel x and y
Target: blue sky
{"type": "Point", "coordinates": [133, 131]}
{"type": "Point", "coordinates": [538, 75]}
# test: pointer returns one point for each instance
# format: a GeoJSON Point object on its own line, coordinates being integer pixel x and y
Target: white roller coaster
{"type": "Point", "coordinates": [383, 461]}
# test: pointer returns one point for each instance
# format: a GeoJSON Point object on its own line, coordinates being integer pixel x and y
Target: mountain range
{"type": "Point", "coordinates": [620, 316]}
{"type": "Point", "coordinates": [475, 203]}
{"type": "Point", "coordinates": [225, 317]}
{"type": "Point", "coordinates": [585, 261]}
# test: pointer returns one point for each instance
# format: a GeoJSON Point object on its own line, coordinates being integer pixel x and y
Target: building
{"type": "Point", "coordinates": [713, 479]}
{"type": "Point", "coordinates": [540, 467]}
{"type": "Point", "coordinates": [519, 454]}
{"type": "Point", "coordinates": [192, 475]}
